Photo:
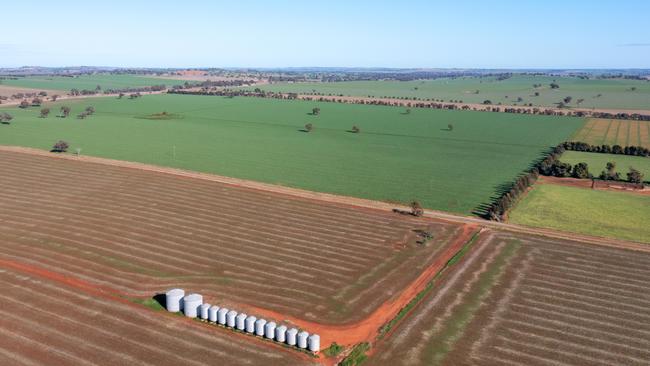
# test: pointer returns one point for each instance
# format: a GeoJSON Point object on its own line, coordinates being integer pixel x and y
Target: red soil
{"type": "Point", "coordinates": [367, 329]}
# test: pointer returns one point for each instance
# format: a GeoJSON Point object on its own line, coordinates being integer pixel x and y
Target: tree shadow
{"type": "Point", "coordinates": [303, 130]}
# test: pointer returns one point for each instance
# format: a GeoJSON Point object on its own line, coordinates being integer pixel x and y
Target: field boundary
{"type": "Point", "coordinates": [336, 199]}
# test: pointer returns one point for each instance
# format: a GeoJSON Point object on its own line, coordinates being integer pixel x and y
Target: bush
{"type": "Point", "coordinates": [60, 146]}
{"type": "Point", "coordinates": [634, 176]}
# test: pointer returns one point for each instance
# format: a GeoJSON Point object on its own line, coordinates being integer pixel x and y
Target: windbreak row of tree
{"type": "Point", "coordinates": [607, 149]}
{"type": "Point", "coordinates": [214, 84]}
{"type": "Point", "coordinates": [498, 210]}
{"type": "Point", "coordinates": [581, 171]}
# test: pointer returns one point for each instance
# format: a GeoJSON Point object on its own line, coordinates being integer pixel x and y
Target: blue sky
{"type": "Point", "coordinates": [248, 33]}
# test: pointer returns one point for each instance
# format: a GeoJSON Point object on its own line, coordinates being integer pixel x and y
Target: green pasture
{"type": "Point", "coordinates": [597, 93]}
{"type": "Point", "coordinates": [602, 213]}
{"type": "Point", "coordinates": [396, 156]}
{"type": "Point", "coordinates": [89, 82]}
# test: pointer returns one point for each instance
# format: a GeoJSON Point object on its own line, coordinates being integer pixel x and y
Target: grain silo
{"type": "Point", "coordinates": [302, 339]}
{"type": "Point", "coordinates": [174, 300]}
{"type": "Point", "coordinates": [259, 327]}
{"type": "Point", "coordinates": [281, 333]}
{"type": "Point", "coordinates": [191, 304]}
{"type": "Point", "coordinates": [205, 308]}
{"type": "Point", "coordinates": [314, 342]}
{"type": "Point", "coordinates": [230, 318]}
{"type": "Point", "coordinates": [221, 316]}
{"type": "Point", "coordinates": [212, 313]}
{"type": "Point", "coordinates": [269, 330]}
{"type": "Point", "coordinates": [291, 336]}
{"type": "Point", "coordinates": [240, 322]}
{"type": "Point", "coordinates": [250, 324]}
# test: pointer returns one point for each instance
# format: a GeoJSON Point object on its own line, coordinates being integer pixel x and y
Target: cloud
{"type": "Point", "coordinates": [635, 45]}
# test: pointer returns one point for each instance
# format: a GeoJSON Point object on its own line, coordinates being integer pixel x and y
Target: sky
{"type": "Point", "coordinates": [335, 33]}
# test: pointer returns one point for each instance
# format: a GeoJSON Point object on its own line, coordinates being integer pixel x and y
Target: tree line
{"type": "Point", "coordinates": [607, 149]}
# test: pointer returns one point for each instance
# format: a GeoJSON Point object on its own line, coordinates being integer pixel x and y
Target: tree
{"type": "Point", "coordinates": [120, 96]}
{"type": "Point", "coordinates": [610, 173]}
{"type": "Point", "coordinates": [537, 94]}
{"type": "Point", "coordinates": [634, 176]}
{"type": "Point", "coordinates": [24, 104]}
{"type": "Point", "coordinates": [74, 92]}
{"type": "Point", "coordinates": [450, 127]}
{"type": "Point", "coordinates": [45, 112]}
{"type": "Point", "coordinates": [6, 118]}
{"type": "Point", "coordinates": [309, 127]}
{"type": "Point", "coordinates": [560, 169]}
{"type": "Point", "coordinates": [581, 171]}
{"type": "Point", "coordinates": [568, 100]}
{"type": "Point", "coordinates": [355, 129]}
{"type": "Point", "coordinates": [579, 101]}
{"type": "Point", "coordinates": [54, 97]}
{"type": "Point", "coordinates": [554, 85]}
{"type": "Point", "coordinates": [90, 110]}
{"type": "Point", "coordinates": [60, 146]}
{"type": "Point", "coordinates": [65, 111]}
{"type": "Point", "coordinates": [487, 101]}
{"type": "Point", "coordinates": [42, 94]}
{"type": "Point", "coordinates": [36, 102]}
{"type": "Point", "coordinates": [416, 209]}
{"type": "Point", "coordinates": [407, 111]}
{"type": "Point", "coordinates": [315, 111]}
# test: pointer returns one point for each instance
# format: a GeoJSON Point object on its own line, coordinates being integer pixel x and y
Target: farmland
{"type": "Point", "coordinates": [139, 233]}
{"type": "Point", "coordinates": [614, 132]}
{"type": "Point", "coordinates": [597, 162]}
{"type": "Point", "coordinates": [595, 93]}
{"type": "Point", "coordinates": [68, 326]}
{"type": "Point", "coordinates": [518, 300]}
{"type": "Point", "coordinates": [396, 156]}
{"type": "Point", "coordinates": [90, 82]}
{"type": "Point", "coordinates": [602, 213]}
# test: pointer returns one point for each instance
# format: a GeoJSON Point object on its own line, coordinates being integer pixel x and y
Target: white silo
{"type": "Point", "coordinates": [314, 342]}
{"type": "Point", "coordinates": [302, 339]}
{"type": "Point", "coordinates": [212, 313]}
{"type": "Point", "coordinates": [221, 316]}
{"type": "Point", "coordinates": [291, 336]}
{"type": "Point", "coordinates": [269, 330]}
{"type": "Point", "coordinates": [174, 300]}
{"type": "Point", "coordinates": [241, 321]}
{"type": "Point", "coordinates": [191, 304]}
{"type": "Point", "coordinates": [250, 324]}
{"type": "Point", "coordinates": [259, 327]}
{"type": "Point", "coordinates": [281, 334]}
{"type": "Point", "coordinates": [230, 318]}
{"type": "Point", "coordinates": [205, 308]}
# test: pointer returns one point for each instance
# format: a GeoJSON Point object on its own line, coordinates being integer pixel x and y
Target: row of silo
{"type": "Point", "coordinates": [192, 306]}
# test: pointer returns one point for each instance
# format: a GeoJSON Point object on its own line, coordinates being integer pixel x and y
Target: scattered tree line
{"type": "Point", "coordinates": [414, 103]}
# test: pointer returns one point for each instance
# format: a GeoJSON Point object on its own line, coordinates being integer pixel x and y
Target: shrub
{"type": "Point", "coordinates": [60, 146]}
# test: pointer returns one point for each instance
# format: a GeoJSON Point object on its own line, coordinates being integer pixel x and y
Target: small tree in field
{"type": "Point", "coordinates": [45, 112]}
{"type": "Point", "coordinates": [450, 127]}
{"type": "Point", "coordinates": [634, 176]}
{"type": "Point", "coordinates": [54, 97]}
{"type": "Point", "coordinates": [315, 111]}
{"type": "Point", "coordinates": [407, 111]}
{"type": "Point", "coordinates": [24, 104]}
{"type": "Point", "coordinates": [416, 209]}
{"type": "Point", "coordinates": [60, 146]}
{"type": "Point", "coordinates": [5, 118]}
{"type": "Point", "coordinates": [90, 110]}
{"type": "Point", "coordinates": [355, 129]}
{"type": "Point", "coordinates": [309, 127]}
{"type": "Point", "coordinates": [65, 111]}
{"type": "Point", "coordinates": [36, 102]}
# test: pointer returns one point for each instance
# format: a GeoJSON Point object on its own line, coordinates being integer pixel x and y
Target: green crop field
{"type": "Point", "coordinates": [603, 213]}
{"type": "Point", "coordinates": [395, 157]}
{"type": "Point", "coordinates": [89, 82]}
{"type": "Point", "coordinates": [603, 93]}
{"type": "Point", "coordinates": [597, 162]}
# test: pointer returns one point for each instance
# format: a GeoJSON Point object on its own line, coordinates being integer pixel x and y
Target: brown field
{"type": "Point", "coordinates": [614, 132]}
{"type": "Point", "coordinates": [518, 300]}
{"type": "Point", "coordinates": [44, 322]}
{"type": "Point", "coordinates": [137, 233]}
